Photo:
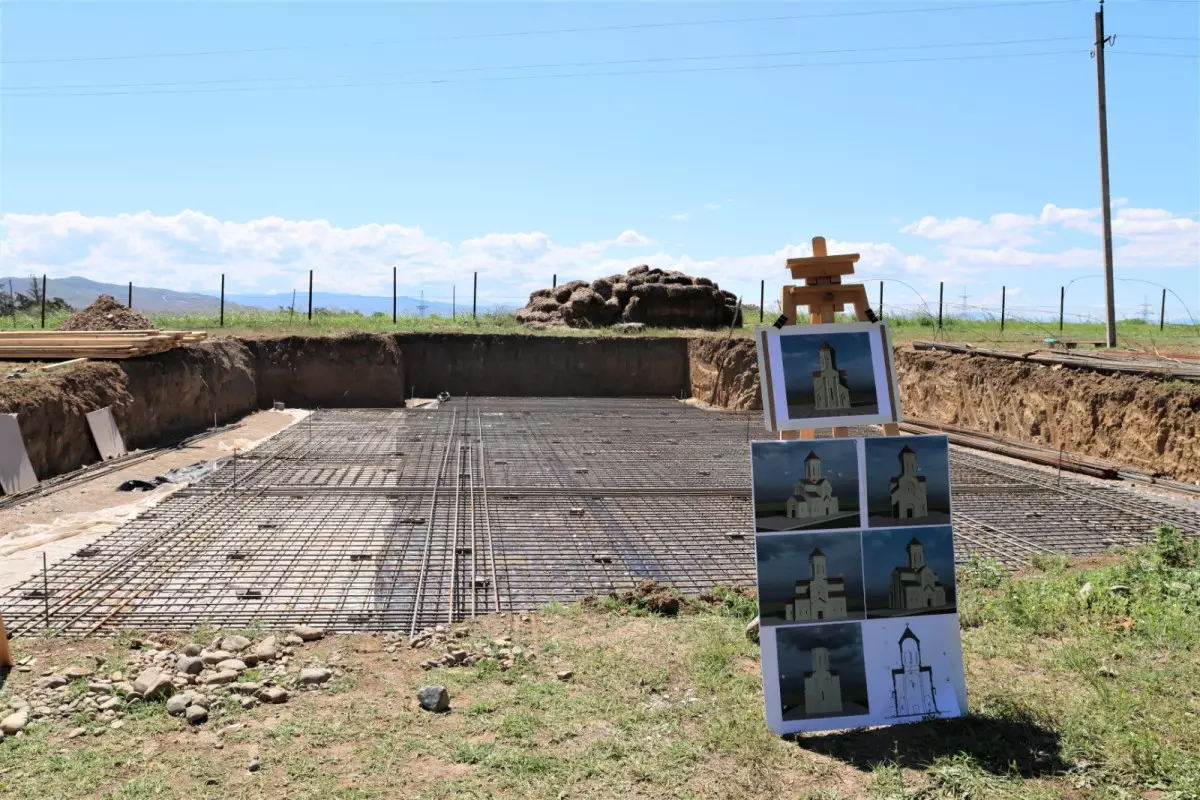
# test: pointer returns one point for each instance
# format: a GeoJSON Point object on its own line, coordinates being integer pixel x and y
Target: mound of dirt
{"type": "Point", "coordinates": [656, 297]}
{"type": "Point", "coordinates": [106, 314]}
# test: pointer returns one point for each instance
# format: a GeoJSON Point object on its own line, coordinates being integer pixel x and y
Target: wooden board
{"type": "Point", "coordinates": [104, 431]}
{"type": "Point", "coordinates": [16, 473]}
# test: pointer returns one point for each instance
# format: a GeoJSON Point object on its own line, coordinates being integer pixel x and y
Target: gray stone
{"type": "Point", "coordinates": [51, 682]}
{"type": "Point", "coordinates": [265, 650]}
{"type": "Point", "coordinates": [16, 702]}
{"type": "Point", "coordinates": [235, 644]}
{"type": "Point", "coordinates": [246, 687]}
{"type": "Point", "coordinates": [190, 665]}
{"type": "Point", "coordinates": [123, 687]}
{"type": "Point", "coordinates": [179, 703]}
{"type": "Point", "coordinates": [74, 673]}
{"type": "Point", "coordinates": [196, 715]}
{"type": "Point", "coordinates": [219, 678]}
{"type": "Point", "coordinates": [564, 675]}
{"type": "Point", "coordinates": [247, 702]}
{"type": "Point", "coordinates": [307, 633]}
{"type": "Point", "coordinates": [434, 698]}
{"type": "Point", "coordinates": [76, 733]}
{"type": "Point", "coordinates": [203, 701]}
{"type": "Point", "coordinates": [232, 664]}
{"type": "Point", "coordinates": [193, 650]}
{"type": "Point", "coordinates": [273, 695]}
{"type": "Point", "coordinates": [117, 724]}
{"type": "Point", "coordinates": [15, 722]}
{"type": "Point", "coordinates": [112, 702]}
{"type": "Point", "coordinates": [314, 675]}
{"type": "Point", "coordinates": [255, 765]}
{"type": "Point", "coordinates": [152, 684]}
{"type": "Point", "coordinates": [212, 657]}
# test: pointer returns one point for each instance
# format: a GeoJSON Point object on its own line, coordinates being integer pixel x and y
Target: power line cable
{"type": "Point", "coordinates": [508, 78]}
{"type": "Point", "coordinates": [542, 32]}
{"type": "Point", "coordinates": [569, 64]}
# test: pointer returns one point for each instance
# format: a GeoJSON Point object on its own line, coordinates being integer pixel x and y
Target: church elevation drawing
{"type": "Point", "coordinates": [810, 577]}
{"type": "Point", "coordinates": [806, 485]}
{"type": "Point", "coordinates": [909, 571]}
{"type": "Point", "coordinates": [908, 480]}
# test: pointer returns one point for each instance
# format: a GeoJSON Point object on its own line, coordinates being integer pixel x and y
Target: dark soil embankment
{"type": "Point", "coordinates": [358, 370]}
{"type": "Point", "coordinates": [154, 399]}
{"type": "Point", "coordinates": [1143, 422]}
{"type": "Point", "coordinates": [544, 366]}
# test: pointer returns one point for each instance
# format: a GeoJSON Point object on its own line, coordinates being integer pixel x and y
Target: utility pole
{"type": "Point", "coordinates": [964, 305]}
{"type": "Point", "coordinates": [1110, 314]}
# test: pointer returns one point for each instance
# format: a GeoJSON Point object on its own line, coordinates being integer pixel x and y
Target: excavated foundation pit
{"type": "Point", "coordinates": [391, 519]}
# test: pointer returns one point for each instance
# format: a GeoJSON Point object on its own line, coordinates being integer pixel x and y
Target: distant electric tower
{"type": "Point", "coordinates": [1145, 308]}
{"type": "Point", "coordinates": [421, 306]}
{"type": "Point", "coordinates": [964, 305]}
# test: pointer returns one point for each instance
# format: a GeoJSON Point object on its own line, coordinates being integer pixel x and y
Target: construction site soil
{"type": "Point", "coordinates": [106, 314]}
{"type": "Point", "coordinates": [1142, 422]}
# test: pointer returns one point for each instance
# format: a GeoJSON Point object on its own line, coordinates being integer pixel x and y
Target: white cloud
{"type": "Point", "coordinates": [681, 217]}
{"type": "Point", "coordinates": [632, 238]}
{"type": "Point", "coordinates": [712, 206]}
{"type": "Point", "coordinates": [1010, 230]}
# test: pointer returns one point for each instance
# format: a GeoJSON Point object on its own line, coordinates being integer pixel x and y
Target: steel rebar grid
{"type": "Point", "coordinates": [397, 519]}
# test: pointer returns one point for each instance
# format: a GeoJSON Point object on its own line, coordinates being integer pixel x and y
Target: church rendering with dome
{"type": "Point", "coordinates": [819, 597]}
{"type": "Point", "coordinates": [829, 393]}
{"type": "Point", "coordinates": [813, 496]}
{"type": "Point", "coordinates": [916, 586]}
{"type": "Point", "coordinates": [909, 496]}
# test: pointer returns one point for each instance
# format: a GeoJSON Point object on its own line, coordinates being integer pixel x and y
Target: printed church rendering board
{"type": "Point", "coordinates": [859, 625]}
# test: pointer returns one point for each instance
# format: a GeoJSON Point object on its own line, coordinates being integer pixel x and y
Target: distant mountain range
{"type": "Point", "coordinates": [81, 292]}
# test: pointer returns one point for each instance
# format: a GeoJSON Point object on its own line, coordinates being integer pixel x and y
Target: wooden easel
{"type": "Point", "coordinates": [825, 295]}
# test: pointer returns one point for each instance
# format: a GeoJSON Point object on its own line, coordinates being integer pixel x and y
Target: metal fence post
{"type": "Point", "coordinates": [44, 301]}
{"type": "Point", "coordinates": [1062, 299]}
{"type": "Point", "coordinates": [1162, 313]}
{"type": "Point", "coordinates": [1003, 295]}
{"type": "Point", "coordinates": [310, 272]}
{"type": "Point", "coordinates": [222, 299]}
{"type": "Point", "coordinates": [762, 299]}
{"type": "Point", "coordinates": [130, 305]}
{"type": "Point", "coordinates": [941, 290]}
{"type": "Point", "coordinates": [881, 299]}
{"type": "Point", "coordinates": [554, 281]}
{"type": "Point", "coordinates": [454, 302]}
{"type": "Point", "coordinates": [474, 296]}
{"type": "Point", "coordinates": [394, 293]}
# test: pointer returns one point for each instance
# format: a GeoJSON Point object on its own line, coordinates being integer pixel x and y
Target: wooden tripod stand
{"type": "Point", "coordinates": [824, 294]}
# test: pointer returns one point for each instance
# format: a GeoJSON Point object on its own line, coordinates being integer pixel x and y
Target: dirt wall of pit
{"type": "Point", "coordinates": [545, 366]}
{"type": "Point", "coordinates": [1142, 422]}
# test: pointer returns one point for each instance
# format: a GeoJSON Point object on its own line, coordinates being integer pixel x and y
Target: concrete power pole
{"type": "Point", "coordinates": [1110, 315]}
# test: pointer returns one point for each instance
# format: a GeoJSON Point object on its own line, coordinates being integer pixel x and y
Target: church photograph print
{"type": "Point", "coordinates": [805, 485]}
{"type": "Point", "coordinates": [908, 480]}
{"type": "Point", "coordinates": [822, 673]}
{"type": "Point", "coordinates": [829, 376]}
{"type": "Point", "coordinates": [909, 571]}
{"type": "Point", "coordinates": [826, 375]}
{"type": "Point", "coordinates": [809, 577]}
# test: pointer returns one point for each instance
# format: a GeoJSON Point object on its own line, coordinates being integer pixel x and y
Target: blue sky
{"type": "Point", "coordinates": [979, 172]}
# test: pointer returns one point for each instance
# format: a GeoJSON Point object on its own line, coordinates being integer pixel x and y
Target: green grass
{"type": "Point", "coordinates": [1082, 682]}
{"type": "Point", "coordinates": [1131, 333]}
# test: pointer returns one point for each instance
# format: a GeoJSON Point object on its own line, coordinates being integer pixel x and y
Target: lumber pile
{"type": "Point", "coordinates": [63, 345]}
{"type": "Point", "coordinates": [1150, 367]}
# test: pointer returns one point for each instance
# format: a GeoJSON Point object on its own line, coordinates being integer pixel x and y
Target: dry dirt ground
{"type": "Point", "coordinates": [63, 521]}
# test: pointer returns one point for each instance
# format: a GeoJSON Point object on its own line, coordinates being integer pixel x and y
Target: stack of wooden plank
{"type": "Point", "coordinates": [61, 345]}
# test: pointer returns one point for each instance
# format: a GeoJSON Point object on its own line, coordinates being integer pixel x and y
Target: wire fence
{"type": "Point", "coordinates": [937, 315]}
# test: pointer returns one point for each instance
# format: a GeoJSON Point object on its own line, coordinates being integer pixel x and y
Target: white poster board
{"type": "Point", "coordinates": [104, 431]}
{"type": "Point", "coordinates": [856, 586]}
{"type": "Point", "coordinates": [16, 473]}
{"type": "Point", "coordinates": [824, 376]}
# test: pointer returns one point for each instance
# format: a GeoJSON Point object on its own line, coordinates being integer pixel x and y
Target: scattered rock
{"type": "Point", "coordinates": [219, 678]}
{"type": "Point", "coordinates": [76, 733]}
{"type": "Point", "coordinates": [179, 703]}
{"type": "Point", "coordinates": [434, 698]}
{"type": "Point", "coordinates": [196, 715]}
{"type": "Point", "coordinates": [117, 724]}
{"type": "Point", "coordinates": [51, 682]}
{"type": "Point", "coordinates": [234, 644]}
{"type": "Point", "coordinates": [233, 665]}
{"type": "Point", "coordinates": [189, 665]}
{"type": "Point", "coordinates": [564, 675]}
{"type": "Point", "coordinates": [273, 695]}
{"type": "Point", "coordinates": [74, 673]}
{"type": "Point", "coordinates": [152, 684]}
{"type": "Point", "coordinates": [255, 766]}
{"type": "Point", "coordinates": [193, 650]}
{"type": "Point", "coordinates": [214, 657]}
{"type": "Point", "coordinates": [112, 702]}
{"type": "Point", "coordinates": [311, 676]}
{"type": "Point", "coordinates": [15, 722]}
{"type": "Point", "coordinates": [292, 638]}
{"type": "Point", "coordinates": [308, 634]}
{"type": "Point", "coordinates": [1123, 591]}
{"type": "Point", "coordinates": [265, 650]}
{"type": "Point", "coordinates": [1106, 672]}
